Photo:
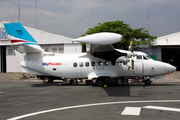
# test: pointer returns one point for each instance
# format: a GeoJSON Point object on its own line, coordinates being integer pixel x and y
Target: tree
{"type": "Point", "coordinates": [138, 36]}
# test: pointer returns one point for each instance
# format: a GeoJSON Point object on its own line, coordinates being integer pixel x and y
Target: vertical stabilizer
{"type": "Point", "coordinates": [20, 39]}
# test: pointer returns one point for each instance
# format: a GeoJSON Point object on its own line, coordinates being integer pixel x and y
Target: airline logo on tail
{"type": "Point", "coordinates": [18, 34]}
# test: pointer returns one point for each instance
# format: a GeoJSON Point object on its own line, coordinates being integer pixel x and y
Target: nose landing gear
{"type": "Point", "coordinates": [147, 82]}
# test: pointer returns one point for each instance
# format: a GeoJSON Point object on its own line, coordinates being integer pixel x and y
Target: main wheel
{"type": "Point", "coordinates": [147, 82]}
{"type": "Point", "coordinates": [100, 82]}
{"type": "Point", "coordinates": [71, 81]}
{"type": "Point", "coordinates": [48, 79]}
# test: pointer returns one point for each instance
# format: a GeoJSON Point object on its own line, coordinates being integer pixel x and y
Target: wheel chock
{"type": "Point", "coordinates": [105, 85]}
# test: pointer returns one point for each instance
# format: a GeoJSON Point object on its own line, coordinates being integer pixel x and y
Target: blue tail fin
{"type": "Point", "coordinates": [20, 37]}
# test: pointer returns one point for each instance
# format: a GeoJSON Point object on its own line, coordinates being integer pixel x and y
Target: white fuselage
{"type": "Point", "coordinates": [84, 65]}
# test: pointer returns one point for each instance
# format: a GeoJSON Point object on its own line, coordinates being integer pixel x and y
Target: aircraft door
{"type": "Point", "coordinates": [138, 67]}
{"type": "Point", "coordinates": [100, 65]}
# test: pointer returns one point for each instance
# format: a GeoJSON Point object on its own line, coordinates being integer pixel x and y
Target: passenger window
{"type": "Point", "coordinates": [106, 63]}
{"type": "Point", "coordinates": [100, 63]}
{"type": "Point", "coordinates": [139, 57]}
{"type": "Point", "coordinates": [92, 63]}
{"type": "Point", "coordinates": [75, 64]}
{"type": "Point", "coordinates": [113, 63]}
{"type": "Point", "coordinates": [81, 64]}
{"type": "Point", "coordinates": [87, 64]}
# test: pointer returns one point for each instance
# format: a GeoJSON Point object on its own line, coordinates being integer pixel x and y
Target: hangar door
{"type": "Point", "coordinates": [171, 55]}
{"type": "Point", "coordinates": [2, 59]}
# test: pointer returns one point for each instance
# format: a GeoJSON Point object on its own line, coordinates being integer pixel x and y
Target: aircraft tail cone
{"type": "Point", "coordinates": [105, 85]}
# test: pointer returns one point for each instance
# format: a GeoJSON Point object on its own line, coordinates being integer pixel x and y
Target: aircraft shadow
{"type": "Point", "coordinates": [109, 86]}
{"type": "Point", "coordinates": [124, 89]}
{"type": "Point", "coordinates": [118, 91]}
{"type": "Point", "coordinates": [46, 84]}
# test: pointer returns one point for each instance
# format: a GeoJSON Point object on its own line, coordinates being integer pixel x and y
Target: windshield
{"type": "Point", "coordinates": [147, 57]}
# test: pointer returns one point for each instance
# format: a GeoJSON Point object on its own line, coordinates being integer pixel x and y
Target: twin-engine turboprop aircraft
{"type": "Point", "coordinates": [102, 62]}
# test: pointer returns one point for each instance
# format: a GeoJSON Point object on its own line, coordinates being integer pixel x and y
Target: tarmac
{"type": "Point", "coordinates": [31, 99]}
{"type": "Point", "coordinates": [173, 77]}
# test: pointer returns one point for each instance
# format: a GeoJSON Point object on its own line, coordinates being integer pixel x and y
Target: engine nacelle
{"type": "Point", "coordinates": [129, 55]}
{"type": "Point", "coordinates": [122, 59]}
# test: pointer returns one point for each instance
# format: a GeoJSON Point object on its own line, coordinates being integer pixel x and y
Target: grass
{"type": "Point", "coordinates": [15, 78]}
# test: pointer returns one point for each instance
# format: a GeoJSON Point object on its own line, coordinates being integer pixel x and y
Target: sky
{"type": "Point", "coordinates": [71, 18]}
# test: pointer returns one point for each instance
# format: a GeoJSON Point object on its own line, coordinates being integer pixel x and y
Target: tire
{"type": "Point", "coordinates": [147, 82]}
{"type": "Point", "coordinates": [100, 82]}
{"type": "Point", "coordinates": [48, 79]}
{"type": "Point", "coordinates": [71, 81]}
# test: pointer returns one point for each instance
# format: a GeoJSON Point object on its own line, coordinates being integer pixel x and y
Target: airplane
{"type": "Point", "coordinates": [101, 63]}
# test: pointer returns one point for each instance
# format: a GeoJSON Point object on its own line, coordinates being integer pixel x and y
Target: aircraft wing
{"type": "Point", "coordinates": [101, 45]}
{"type": "Point", "coordinates": [101, 48]}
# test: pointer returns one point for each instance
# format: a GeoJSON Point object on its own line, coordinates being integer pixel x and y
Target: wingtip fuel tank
{"type": "Point", "coordinates": [104, 38]}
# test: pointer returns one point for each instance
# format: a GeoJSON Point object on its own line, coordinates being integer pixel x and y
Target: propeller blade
{"type": "Point", "coordinates": [132, 54]}
{"type": "Point", "coordinates": [132, 64]}
{"type": "Point", "coordinates": [131, 47]}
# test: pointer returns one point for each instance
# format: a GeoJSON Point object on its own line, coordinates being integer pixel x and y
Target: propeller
{"type": "Point", "coordinates": [132, 54]}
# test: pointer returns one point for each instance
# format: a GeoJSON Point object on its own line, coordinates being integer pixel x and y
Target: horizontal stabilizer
{"type": "Point", "coordinates": [23, 48]}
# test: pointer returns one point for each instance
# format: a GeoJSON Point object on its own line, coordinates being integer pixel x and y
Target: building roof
{"type": "Point", "coordinates": [40, 36]}
{"type": "Point", "coordinates": [167, 40]}
{"type": "Point", "coordinates": [43, 37]}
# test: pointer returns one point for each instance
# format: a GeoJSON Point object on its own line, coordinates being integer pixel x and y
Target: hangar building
{"type": "Point", "coordinates": [166, 49]}
{"type": "Point", "coordinates": [48, 41]}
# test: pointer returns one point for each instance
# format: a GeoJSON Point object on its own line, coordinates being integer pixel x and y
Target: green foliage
{"type": "Point", "coordinates": [138, 36]}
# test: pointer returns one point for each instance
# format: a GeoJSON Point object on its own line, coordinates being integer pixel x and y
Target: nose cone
{"type": "Point", "coordinates": [164, 68]}
{"type": "Point", "coordinates": [171, 68]}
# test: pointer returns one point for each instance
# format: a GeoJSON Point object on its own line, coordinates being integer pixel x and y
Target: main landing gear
{"type": "Point", "coordinates": [146, 80]}
{"type": "Point", "coordinates": [101, 81]}
{"type": "Point", "coordinates": [48, 78]}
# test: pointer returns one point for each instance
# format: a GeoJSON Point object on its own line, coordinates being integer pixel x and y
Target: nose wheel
{"type": "Point", "coordinates": [147, 82]}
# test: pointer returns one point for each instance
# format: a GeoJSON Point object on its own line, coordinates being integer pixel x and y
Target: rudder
{"type": "Point", "coordinates": [20, 37]}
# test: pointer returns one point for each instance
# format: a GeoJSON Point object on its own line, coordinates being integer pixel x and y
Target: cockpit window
{"type": "Point", "coordinates": [147, 56]}
{"type": "Point", "coordinates": [139, 57]}
{"type": "Point", "coordinates": [144, 58]}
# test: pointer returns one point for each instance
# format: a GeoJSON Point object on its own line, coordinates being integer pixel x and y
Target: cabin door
{"type": "Point", "coordinates": [100, 65]}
